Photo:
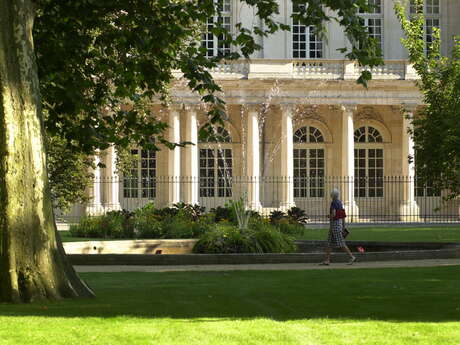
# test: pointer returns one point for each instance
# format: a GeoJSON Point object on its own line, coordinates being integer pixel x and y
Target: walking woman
{"type": "Point", "coordinates": [337, 224]}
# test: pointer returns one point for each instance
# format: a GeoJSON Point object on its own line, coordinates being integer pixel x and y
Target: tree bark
{"type": "Point", "coordinates": [33, 265]}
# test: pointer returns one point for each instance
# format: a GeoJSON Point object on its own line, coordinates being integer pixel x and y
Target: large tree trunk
{"type": "Point", "coordinates": [32, 261]}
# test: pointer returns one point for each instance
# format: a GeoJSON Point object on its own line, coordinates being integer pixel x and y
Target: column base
{"type": "Point", "coordinates": [409, 212]}
{"type": "Point", "coordinates": [95, 210]}
{"type": "Point", "coordinates": [112, 207]}
{"type": "Point", "coordinates": [352, 211]}
{"type": "Point", "coordinates": [255, 206]}
{"type": "Point", "coordinates": [285, 206]}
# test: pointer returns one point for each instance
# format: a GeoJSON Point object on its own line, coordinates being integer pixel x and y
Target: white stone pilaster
{"type": "Point", "coordinates": [191, 161]}
{"type": "Point", "coordinates": [287, 157]}
{"type": "Point", "coordinates": [348, 161]}
{"type": "Point", "coordinates": [174, 157]}
{"type": "Point", "coordinates": [95, 207]}
{"type": "Point", "coordinates": [114, 190]}
{"type": "Point", "coordinates": [409, 209]}
{"type": "Point", "coordinates": [253, 157]}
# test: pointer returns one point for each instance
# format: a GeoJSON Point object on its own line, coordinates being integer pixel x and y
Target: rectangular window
{"type": "Point", "coordinates": [216, 169]}
{"type": "Point", "coordinates": [373, 21]}
{"type": "Point", "coordinates": [140, 181]}
{"type": "Point", "coordinates": [309, 171]}
{"type": "Point", "coordinates": [306, 43]}
{"type": "Point", "coordinates": [368, 173]}
{"type": "Point", "coordinates": [216, 45]}
{"type": "Point", "coordinates": [431, 10]}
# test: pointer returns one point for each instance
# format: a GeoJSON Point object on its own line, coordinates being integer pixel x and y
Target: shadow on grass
{"type": "Point", "coordinates": [402, 294]}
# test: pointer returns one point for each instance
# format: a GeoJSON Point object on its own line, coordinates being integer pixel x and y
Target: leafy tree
{"type": "Point", "coordinates": [436, 127]}
{"type": "Point", "coordinates": [93, 57]}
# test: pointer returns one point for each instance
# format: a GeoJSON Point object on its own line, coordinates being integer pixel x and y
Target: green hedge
{"type": "Point", "coordinates": [217, 230]}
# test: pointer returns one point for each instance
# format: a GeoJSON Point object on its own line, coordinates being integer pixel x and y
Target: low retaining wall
{"type": "Point", "coordinates": [130, 247]}
{"type": "Point", "coordinates": [228, 259]}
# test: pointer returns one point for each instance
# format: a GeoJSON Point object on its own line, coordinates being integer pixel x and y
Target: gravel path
{"type": "Point", "coordinates": [271, 267]}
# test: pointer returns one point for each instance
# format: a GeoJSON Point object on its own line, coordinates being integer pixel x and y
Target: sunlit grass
{"type": "Point", "coordinates": [367, 306]}
{"type": "Point", "coordinates": [392, 234]}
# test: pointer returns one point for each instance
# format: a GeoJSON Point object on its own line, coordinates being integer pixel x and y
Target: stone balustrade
{"type": "Point", "coordinates": [310, 69]}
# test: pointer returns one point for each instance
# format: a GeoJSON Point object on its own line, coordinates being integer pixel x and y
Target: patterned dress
{"type": "Point", "coordinates": [335, 238]}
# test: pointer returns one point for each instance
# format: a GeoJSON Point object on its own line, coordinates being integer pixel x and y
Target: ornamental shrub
{"type": "Point", "coordinates": [260, 237]}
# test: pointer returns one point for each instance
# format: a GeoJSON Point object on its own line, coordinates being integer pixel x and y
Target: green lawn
{"type": "Point", "coordinates": [392, 234]}
{"type": "Point", "coordinates": [368, 306]}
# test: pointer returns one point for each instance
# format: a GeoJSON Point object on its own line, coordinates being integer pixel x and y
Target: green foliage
{"type": "Point", "coordinates": [277, 216]}
{"type": "Point", "coordinates": [436, 132]}
{"type": "Point", "coordinates": [68, 172]}
{"type": "Point", "coordinates": [114, 224]}
{"type": "Point", "coordinates": [259, 238]}
{"type": "Point", "coordinates": [96, 56]}
{"type": "Point", "coordinates": [242, 215]}
{"type": "Point", "coordinates": [223, 214]}
{"type": "Point", "coordinates": [297, 215]}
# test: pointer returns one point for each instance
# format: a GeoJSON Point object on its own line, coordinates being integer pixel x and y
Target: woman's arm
{"type": "Point", "coordinates": [332, 214]}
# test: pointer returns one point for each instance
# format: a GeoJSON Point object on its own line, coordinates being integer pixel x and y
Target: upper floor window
{"type": "Point", "coordinates": [306, 43]}
{"type": "Point", "coordinates": [140, 180]}
{"type": "Point", "coordinates": [431, 10]}
{"type": "Point", "coordinates": [216, 45]}
{"type": "Point", "coordinates": [373, 21]}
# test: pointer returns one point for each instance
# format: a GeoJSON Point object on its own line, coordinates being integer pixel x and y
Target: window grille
{"type": "Point", "coordinates": [140, 181]}
{"type": "Point", "coordinates": [368, 163]}
{"type": "Point", "coordinates": [306, 43]}
{"type": "Point", "coordinates": [216, 45]}
{"type": "Point", "coordinates": [309, 163]}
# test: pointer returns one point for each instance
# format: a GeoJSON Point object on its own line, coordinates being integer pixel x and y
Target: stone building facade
{"type": "Point", "coordinates": [298, 125]}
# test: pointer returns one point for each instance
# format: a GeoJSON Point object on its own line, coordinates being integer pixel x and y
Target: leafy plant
{"type": "Point", "coordinates": [297, 215]}
{"type": "Point", "coordinates": [242, 215]}
{"type": "Point", "coordinates": [277, 216]}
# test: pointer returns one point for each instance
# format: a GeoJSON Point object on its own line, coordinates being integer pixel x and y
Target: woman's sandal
{"type": "Point", "coordinates": [352, 260]}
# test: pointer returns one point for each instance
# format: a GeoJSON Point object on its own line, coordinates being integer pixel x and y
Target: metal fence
{"type": "Point", "coordinates": [374, 200]}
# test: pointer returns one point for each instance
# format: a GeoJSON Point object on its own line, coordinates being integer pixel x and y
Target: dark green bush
{"type": "Point", "coordinates": [114, 224]}
{"type": "Point", "coordinates": [259, 238]}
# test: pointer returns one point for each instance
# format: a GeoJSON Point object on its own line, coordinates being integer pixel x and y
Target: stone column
{"type": "Point", "coordinates": [253, 157]}
{"type": "Point", "coordinates": [347, 186]}
{"type": "Point", "coordinates": [114, 189]}
{"type": "Point", "coordinates": [409, 209]}
{"type": "Point", "coordinates": [287, 157]}
{"type": "Point", "coordinates": [174, 157]}
{"type": "Point", "coordinates": [95, 207]}
{"type": "Point", "coordinates": [191, 159]}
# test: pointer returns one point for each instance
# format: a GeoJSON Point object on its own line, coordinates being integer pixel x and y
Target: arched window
{"type": "Point", "coordinates": [309, 163]}
{"type": "Point", "coordinates": [140, 180]}
{"type": "Point", "coordinates": [368, 162]}
{"type": "Point", "coordinates": [216, 165]}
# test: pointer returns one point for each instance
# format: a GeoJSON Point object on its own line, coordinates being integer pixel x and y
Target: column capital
{"type": "Point", "coordinates": [253, 108]}
{"type": "Point", "coordinates": [350, 108]}
{"type": "Point", "coordinates": [288, 108]}
{"type": "Point", "coordinates": [409, 107]}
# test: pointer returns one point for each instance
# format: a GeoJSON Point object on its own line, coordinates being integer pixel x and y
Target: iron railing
{"type": "Point", "coordinates": [373, 200]}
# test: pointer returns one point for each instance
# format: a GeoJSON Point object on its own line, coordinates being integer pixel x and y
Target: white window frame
{"type": "Point", "coordinates": [140, 182]}
{"type": "Point", "coordinates": [432, 12]}
{"type": "Point", "coordinates": [305, 43]}
{"type": "Point", "coordinates": [370, 19]}
{"type": "Point", "coordinates": [373, 170]}
{"type": "Point", "coordinates": [215, 45]}
{"type": "Point", "coordinates": [217, 182]}
{"type": "Point", "coordinates": [310, 168]}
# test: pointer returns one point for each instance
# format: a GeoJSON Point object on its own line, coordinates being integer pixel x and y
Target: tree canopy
{"type": "Point", "coordinates": [436, 125]}
{"type": "Point", "coordinates": [74, 65]}
{"type": "Point", "coordinates": [94, 56]}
